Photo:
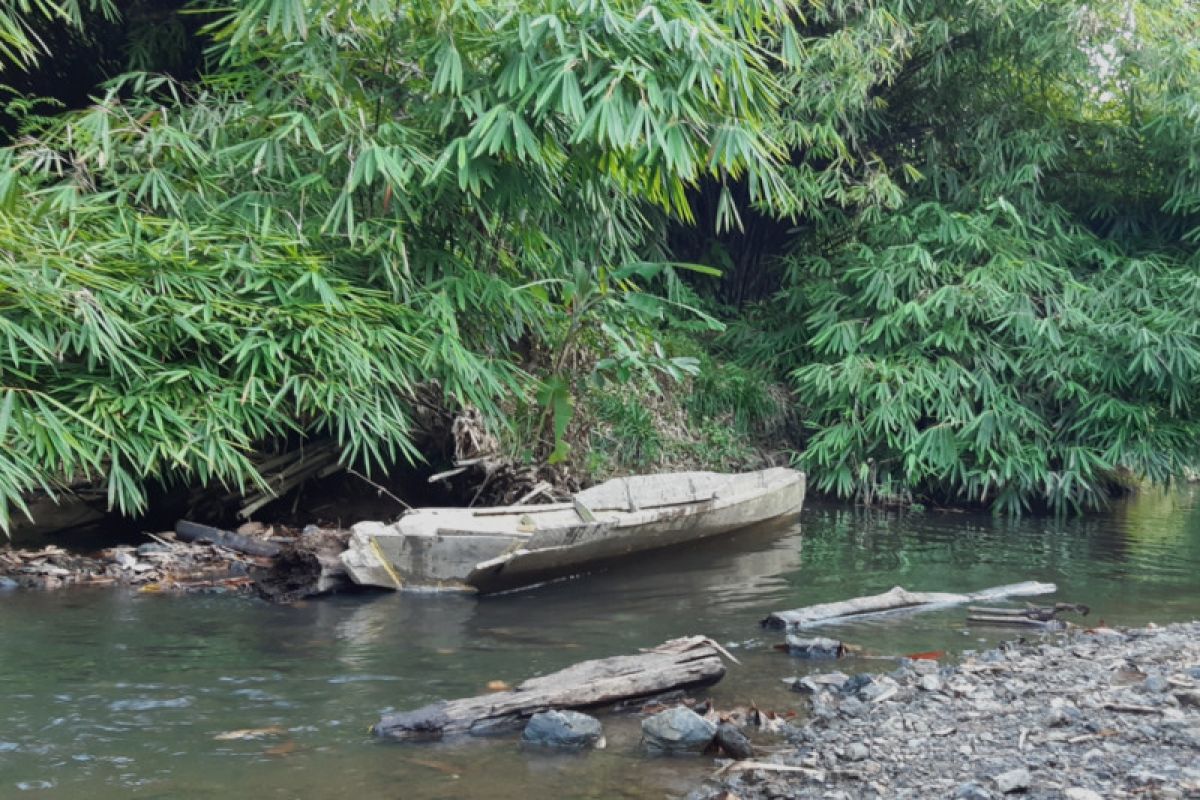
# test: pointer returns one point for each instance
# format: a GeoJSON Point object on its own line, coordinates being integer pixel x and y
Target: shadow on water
{"type": "Point", "coordinates": [126, 695]}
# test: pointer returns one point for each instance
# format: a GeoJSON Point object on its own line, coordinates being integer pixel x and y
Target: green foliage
{"type": "Point", "coordinates": [1018, 323]}
{"type": "Point", "coordinates": [965, 232]}
{"type": "Point", "coordinates": [361, 199]}
{"type": "Point", "coordinates": [20, 20]}
{"type": "Point", "coordinates": [634, 438]}
{"type": "Point", "coordinates": [732, 391]}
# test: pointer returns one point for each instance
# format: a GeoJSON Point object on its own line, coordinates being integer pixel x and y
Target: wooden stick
{"type": "Point", "coordinates": [450, 473]}
{"type": "Point", "coordinates": [541, 488]}
{"type": "Point", "coordinates": [1130, 708]}
{"type": "Point", "coordinates": [766, 766]}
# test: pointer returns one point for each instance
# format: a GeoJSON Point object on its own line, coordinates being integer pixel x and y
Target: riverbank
{"type": "Point", "coordinates": [1083, 716]}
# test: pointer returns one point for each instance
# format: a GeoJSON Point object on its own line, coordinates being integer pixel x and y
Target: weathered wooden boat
{"type": "Point", "coordinates": [498, 548]}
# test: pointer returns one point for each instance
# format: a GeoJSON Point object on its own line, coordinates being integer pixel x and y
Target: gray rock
{"type": "Point", "coordinates": [1144, 776]}
{"type": "Point", "coordinates": [1079, 793]}
{"type": "Point", "coordinates": [1061, 716]}
{"type": "Point", "coordinates": [814, 647]}
{"type": "Point", "coordinates": [733, 742]}
{"type": "Point", "coordinates": [857, 752]}
{"type": "Point", "coordinates": [971, 791]}
{"type": "Point", "coordinates": [1194, 672]}
{"type": "Point", "coordinates": [930, 683]}
{"type": "Point", "coordinates": [8, 584]}
{"type": "Point", "coordinates": [678, 730]}
{"type": "Point", "coordinates": [923, 666]}
{"type": "Point", "coordinates": [856, 682]}
{"type": "Point", "coordinates": [1015, 780]}
{"type": "Point", "coordinates": [824, 706]}
{"type": "Point", "coordinates": [876, 687]}
{"type": "Point", "coordinates": [853, 707]}
{"type": "Point", "coordinates": [811, 684]}
{"type": "Point", "coordinates": [567, 730]}
{"type": "Point", "coordinates": [1155, 684]}
{"type": "Point", "coordinates": [152, 547]}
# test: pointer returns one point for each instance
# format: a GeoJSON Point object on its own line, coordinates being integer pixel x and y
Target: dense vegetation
{"type": "Point", "coordinates": [963, 234]}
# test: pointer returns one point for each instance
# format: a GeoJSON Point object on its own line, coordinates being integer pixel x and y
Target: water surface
{"type": "Point", "coordinates": [108, 694]}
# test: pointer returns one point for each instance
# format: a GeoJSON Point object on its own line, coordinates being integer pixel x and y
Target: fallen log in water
{"type": "Point", "coordinates": [1039, 613]}
{"type": "Point", "coordinates": [895, 600]}
{"type": "Point", "coordinates": [1015, 619]}
{"type": "Point", "coordinates": [679, 663]}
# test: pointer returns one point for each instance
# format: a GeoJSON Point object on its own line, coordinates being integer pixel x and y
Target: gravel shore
{"type": "Point", "coordinates": [1085, 715]}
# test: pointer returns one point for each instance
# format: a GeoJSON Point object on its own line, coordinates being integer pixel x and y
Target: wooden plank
{"type": "Point", "coordinates": [676, 664]}
{"type": "Point", "coordinates": [893, 600]}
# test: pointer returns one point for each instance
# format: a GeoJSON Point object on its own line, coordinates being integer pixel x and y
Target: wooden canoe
{"type": "Point", "coordinates": [498, 548]}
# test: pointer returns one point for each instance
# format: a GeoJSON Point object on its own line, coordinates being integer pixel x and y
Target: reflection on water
{"type": "Point", "coordinates": [122, 695]}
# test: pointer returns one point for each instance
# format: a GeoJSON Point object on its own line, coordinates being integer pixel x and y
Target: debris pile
{"type": "Point", "coordinates": [197, 559]}
{"type": "Point", "coordinates": [160, 565]}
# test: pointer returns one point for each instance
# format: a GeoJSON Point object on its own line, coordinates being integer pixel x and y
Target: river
{"type": "Point", "coordinates": [111, 694]}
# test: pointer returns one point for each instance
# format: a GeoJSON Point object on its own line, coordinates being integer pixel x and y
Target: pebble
{"type": "Point", "coordinates": [1015, 780]}
{"type": "Point", "coordinates": [930, 683]}
{"type": "Point", "coordinates": [924, 666]}
{"type": "Point", "coordinates": [1155, 684]}
{"type": "Point", "coordinates": [857, 752]}
{"type": "Point", "coordinates": [853, 707]}
{"type": "Point", "coordinates": [971, 791]}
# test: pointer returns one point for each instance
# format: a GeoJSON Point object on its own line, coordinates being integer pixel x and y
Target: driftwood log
{"type": "Point", "coordinates": [310, 565]}
{"type": "Point", "coordinates": [677, 664]}
{"type": "Point", "coordinates": [895, 600]}
{"type": "Point", "coordinates": [251, 546]}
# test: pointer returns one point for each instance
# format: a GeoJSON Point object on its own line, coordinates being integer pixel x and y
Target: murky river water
{"type": "Point", "coordinates": [106, 694]}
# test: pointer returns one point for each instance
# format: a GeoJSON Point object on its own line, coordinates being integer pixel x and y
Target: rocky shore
{"type": "Point", "coordinates": [1085, 715]}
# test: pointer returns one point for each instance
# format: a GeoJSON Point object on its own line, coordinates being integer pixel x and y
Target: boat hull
{"type": "Point", "coordinates": [486, 550]}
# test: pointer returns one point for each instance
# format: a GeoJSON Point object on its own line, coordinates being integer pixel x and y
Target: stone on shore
{"type": "Point", "coordinates": [565, 730]}
{"type": "Point", "coordinates": [1015, 780]}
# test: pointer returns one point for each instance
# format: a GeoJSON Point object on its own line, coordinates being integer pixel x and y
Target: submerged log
{"type": "Point", "coordinates": [1015, 619]}
{"type": "Point", "coordinates": [195, 532]}
{"type": "Point", "coordinates": [311, 565]}
{"type": "Point", "coordinates": [1039, 613]}
{"type": "Point", "coordinates": [679, 663]}
{"type": "Point", "coordinates": [895, 600]}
